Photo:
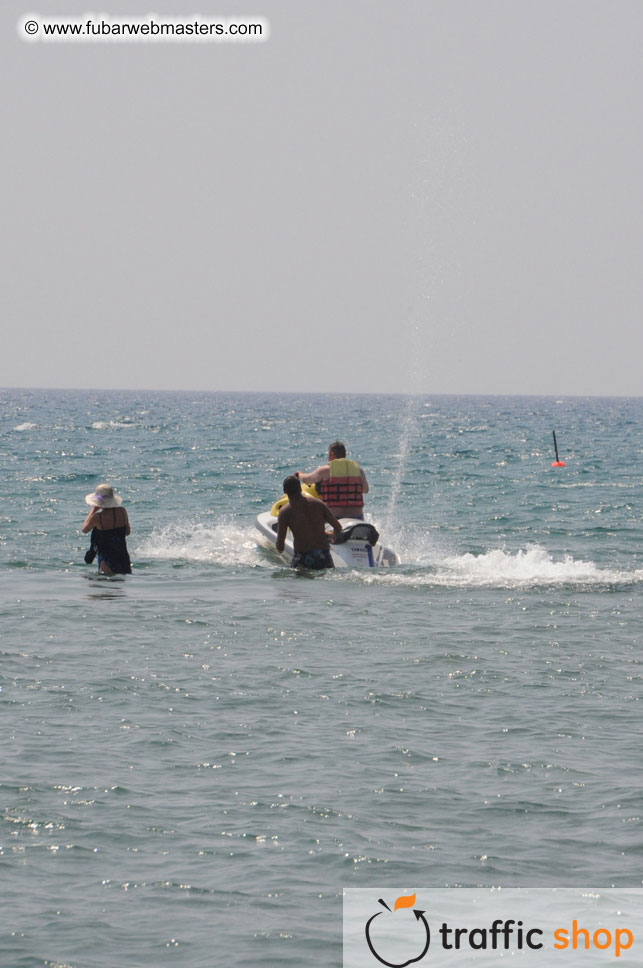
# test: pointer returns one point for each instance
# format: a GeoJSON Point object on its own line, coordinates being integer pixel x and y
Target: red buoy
{"type": "Point", "coordinates": [558, 462]}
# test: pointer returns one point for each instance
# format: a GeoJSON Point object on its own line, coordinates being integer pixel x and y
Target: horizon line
{"type": "Point", "coordinates": [329, 393]}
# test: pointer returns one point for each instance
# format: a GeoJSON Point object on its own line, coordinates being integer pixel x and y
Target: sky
{"type": "Point", "coordinates": [401, 196]}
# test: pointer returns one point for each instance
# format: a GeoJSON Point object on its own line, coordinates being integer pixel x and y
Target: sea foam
{"type": "Point", "coordinates": [497, 568]}
{"type": "Point", "coordinates": [224, 542]}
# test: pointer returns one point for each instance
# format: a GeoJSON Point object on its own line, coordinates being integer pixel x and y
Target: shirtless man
{"type": "Point", "coordinates": [306, 517]}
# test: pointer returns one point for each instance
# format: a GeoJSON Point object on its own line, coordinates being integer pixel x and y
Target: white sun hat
{"type": "Point", "coordinates": [104, 497]}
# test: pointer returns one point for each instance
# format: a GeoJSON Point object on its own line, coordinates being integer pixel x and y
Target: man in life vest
{"type": "Point", "coordinates": [341, 483]}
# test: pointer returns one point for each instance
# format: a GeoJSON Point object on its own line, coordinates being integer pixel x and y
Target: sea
{"type": "Point", "coordinates": [198, 759]}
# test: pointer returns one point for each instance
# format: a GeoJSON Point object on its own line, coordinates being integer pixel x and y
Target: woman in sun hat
{"type": "Point", "coordinates": [109, 525]}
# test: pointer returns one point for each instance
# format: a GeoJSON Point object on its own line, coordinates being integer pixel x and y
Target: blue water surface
{"type": "Point", "coordinates": [196, 759]}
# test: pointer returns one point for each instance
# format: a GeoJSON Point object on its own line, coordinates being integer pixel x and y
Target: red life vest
{"type": "Point", "coordinates": [343, 489]}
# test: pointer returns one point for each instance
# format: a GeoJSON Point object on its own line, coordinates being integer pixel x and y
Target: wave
{"type": "Point", "coordinates": [231, 543]}
{"type": "Point", "coordinates": [26, 426]}
{"type": "Point", "coordinates": [127, 423]}
{"type": "Point", "coordinates": [533, 567]}
{"type": "Point", "coordinates": [224, 543]}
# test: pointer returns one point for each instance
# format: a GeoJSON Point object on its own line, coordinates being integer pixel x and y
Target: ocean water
{"type": "Point", "coordinates": [196, 759]}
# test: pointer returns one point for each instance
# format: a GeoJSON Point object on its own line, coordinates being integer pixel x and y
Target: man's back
{"type": "Point", "coordinates": [306, 517]}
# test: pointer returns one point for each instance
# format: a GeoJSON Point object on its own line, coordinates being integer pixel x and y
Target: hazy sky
{"type": "Point", "coordinates": [438, 196]}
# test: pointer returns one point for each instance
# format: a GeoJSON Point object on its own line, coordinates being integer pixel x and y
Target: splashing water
{"type": "Point", "coordinates": [224, 543]}
{"type": "Point", "coordinates": [231, 544]}
{"type": "Point", "coordinates": [126, 424]}
{"type": "Point", "coordinates": [535, 566]}
{"type": "Point", "coordinates": [409, 431]}
{"type": "Point", "coordinates": [531, 568]}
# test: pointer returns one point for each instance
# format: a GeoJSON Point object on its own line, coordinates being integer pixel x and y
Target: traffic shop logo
{"type": "Point", "coordinates": [397, 940]}
{"type": "Point", "coordinates": [415, 932]}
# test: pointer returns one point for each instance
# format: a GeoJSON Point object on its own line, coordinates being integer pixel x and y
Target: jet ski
{"type": "Point", "coordinates": [358, 546]}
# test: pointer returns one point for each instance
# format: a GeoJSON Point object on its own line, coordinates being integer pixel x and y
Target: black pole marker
{"type": "Point", "coordinates": [558, 462]}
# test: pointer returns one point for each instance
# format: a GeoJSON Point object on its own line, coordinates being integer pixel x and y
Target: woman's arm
{"type": "Point", "coordinates": [127, 527]}
{"type": "Point", "coordinates": [90, 521]}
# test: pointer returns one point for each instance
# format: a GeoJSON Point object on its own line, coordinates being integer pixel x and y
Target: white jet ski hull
{"type": "Point", "coordinates": [355, 551]}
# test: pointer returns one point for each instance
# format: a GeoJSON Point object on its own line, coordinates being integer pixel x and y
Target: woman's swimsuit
{"type": "Point", "coordinates": [112, 547]}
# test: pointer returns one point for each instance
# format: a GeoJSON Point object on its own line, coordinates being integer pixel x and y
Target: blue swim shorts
{"type": "Point", "coordinates": [317, 559]}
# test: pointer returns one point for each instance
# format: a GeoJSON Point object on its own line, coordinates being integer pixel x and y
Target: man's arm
{"type": "Point", "coordinates": [364, 481]}
{"type": "Point", "coordinates": [320, 474]}
{"type": "Point", "coordinates": [332, 520]}
{"type": "Point", "coordinates": [282, 528]}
